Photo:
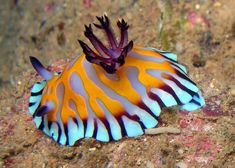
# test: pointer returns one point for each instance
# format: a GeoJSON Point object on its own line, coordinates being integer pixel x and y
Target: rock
{"type": "Point", "coordinates": [198, 61]}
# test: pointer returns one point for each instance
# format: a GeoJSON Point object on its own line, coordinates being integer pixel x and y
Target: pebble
{"type": "Point", "coordinates": [149, 164]}
{"type": "Point", "coordinates": [181, 165]}
{"type": "Point", "coordinates": [92, 149]}
{"type": "Point", "coordinates": [139, 162]}
{"type": "Point", "coordinates": [180, 151]}
{"type": "Point", "coordinates": [179, 47]}
{"type": "Point", "coordinates": [217, 102]}
{"type": "Point", "coordinates": [198, 61]}
{"type": "Point", "coordinates": [69, 155]}
{"type": "Point", "coordinates": [8, 108]}
{"type": "Point", "coordinates": [232, 91]}
{"type": "Point", "coordinates": [217, 4]}
{"type": "Point", "coordinates": [161, 130]}
{"type": "Point", "coordinates": [44, 165]}
{"type": "Point", "coordinates": [197, 6]}
{"type": "Point", "coordinates": [109, 165]}
{"type": "Point", "coordinates": [212, 84]}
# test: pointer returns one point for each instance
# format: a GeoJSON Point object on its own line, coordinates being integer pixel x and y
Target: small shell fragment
{"type": "Point", "coordinates": [162, 130]}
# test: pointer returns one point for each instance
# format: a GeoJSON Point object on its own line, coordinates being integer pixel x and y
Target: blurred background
{"type": "Point", "coordinates": [200, 32]}
{"type": "Point", "coordinates": [50, 29]}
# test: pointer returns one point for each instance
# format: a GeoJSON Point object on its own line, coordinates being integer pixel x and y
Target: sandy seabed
{"type": "Point", "coordinates": [201, 33]}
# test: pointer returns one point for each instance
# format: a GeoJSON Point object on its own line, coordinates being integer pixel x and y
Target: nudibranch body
{"type": "Point", "coordinates": [109, 93]}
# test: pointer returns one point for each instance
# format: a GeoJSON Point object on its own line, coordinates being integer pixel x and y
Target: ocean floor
{"type": "Point", "coordinates": [200, 32]}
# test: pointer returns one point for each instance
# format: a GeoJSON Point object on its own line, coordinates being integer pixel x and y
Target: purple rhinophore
{"type": "Point", "coordinates": [47, 75]}
{"type": "Point", "coordinates": [110, 59]}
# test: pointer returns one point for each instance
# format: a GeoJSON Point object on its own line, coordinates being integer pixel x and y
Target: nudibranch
{"type": "Point", "coordinates": [110, 92]}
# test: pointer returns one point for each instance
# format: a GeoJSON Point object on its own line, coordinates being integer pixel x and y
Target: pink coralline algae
{"type": "Point", "coordinates": [212, 107]}
{"type": "Point", "coordinates": [195, 138]}
{"type": "Point", "coordinates": [195, 18]}
{"type": "Point", "coordinates": [6, 129]}
{"type": "Point", "coordinates": [49, 6]}
{"type": "Point", "coordinates": [57, 66]}
{"type": "Point", "coordinates": [87, 3]}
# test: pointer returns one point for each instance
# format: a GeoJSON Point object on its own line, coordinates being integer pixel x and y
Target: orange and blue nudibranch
{"type": "Point", "coordinates": [110, 92]}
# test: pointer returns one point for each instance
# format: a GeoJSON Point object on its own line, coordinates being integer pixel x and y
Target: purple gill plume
{"type": "Point", "coordinates": [112, 58]}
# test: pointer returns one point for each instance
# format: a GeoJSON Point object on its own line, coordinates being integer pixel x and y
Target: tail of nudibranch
{"type": "Point", "coordinates": [112, 58]}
